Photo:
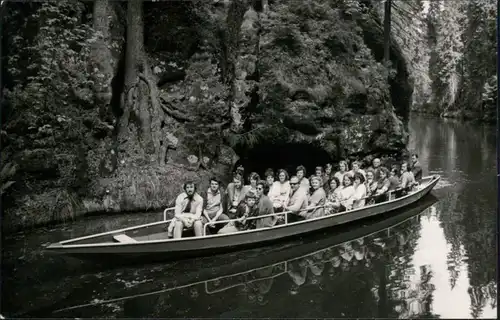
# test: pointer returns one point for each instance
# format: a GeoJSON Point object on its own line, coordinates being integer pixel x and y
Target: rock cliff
{"type": "Point", "coordinates": [228, 81]}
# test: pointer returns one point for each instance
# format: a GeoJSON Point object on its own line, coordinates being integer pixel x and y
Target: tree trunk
{"type": "Point", "coordinates": [234, 20]}
{"type": "Point", "coordinates": [102, 59]}
{"type": "Point", "coordinates": [387, 33]}
{"type": "Point", "coordinates": [140, 104]}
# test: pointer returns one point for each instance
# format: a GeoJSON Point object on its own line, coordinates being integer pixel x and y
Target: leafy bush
{"type": "Point", "coordinates": [58, 66]}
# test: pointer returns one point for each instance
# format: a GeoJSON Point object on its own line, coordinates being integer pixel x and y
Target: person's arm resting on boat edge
{"type": "Point", "coordinates": [217, 215]}
{"type": "Point", "coordinates": [314, 201]}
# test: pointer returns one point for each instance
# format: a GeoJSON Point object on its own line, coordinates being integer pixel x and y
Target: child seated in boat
{"type": "Point", "coordinates": [235, 194]}
{"type": "Point", "coordinates": [245, 209]}
{"type": "Point", "coordinates": [188, 210]}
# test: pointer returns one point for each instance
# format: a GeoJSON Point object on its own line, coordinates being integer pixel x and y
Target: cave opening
{"type": "Point", "coordinates": [286, 156]}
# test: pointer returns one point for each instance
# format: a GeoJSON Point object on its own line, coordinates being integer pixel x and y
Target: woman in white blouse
{"type": "Point", "coordinates": [280, 190]}
{"type": "Point", "coordinates": [342, 171]}
{"type": "Point", "coordinates": [346, 193]}
{"type": "Point", "coordinates": [359, 191]}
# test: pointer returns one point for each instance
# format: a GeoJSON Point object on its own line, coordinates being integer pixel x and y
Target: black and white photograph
{"type": "Point", "coordinates": [233, 159]}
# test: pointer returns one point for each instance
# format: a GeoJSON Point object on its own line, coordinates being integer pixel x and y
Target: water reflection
{"type": "Point", "coordinates": [465, 155]}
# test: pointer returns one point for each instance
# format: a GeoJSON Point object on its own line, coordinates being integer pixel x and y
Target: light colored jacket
{"type": "Point", "coordinates": [297, 201]}
{"type": "Point", "coordinates": [317, 198]}
{"type": "Point", "coordinates": [407, 179]}
{"type": "Point", "coordinates": [182, 201]}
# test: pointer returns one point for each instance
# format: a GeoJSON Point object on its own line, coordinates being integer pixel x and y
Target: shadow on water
{"type": "Point", "coordinates": [135, 292]}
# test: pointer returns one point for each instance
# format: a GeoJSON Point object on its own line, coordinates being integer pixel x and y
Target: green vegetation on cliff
{"type": "Point", "coordinates": [111, 105]}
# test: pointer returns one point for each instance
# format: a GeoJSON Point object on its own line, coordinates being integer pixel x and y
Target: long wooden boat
{"type": "Point", "coordinates": [149, 242]}
{"type": "Point", "coordinates": [208, 270]}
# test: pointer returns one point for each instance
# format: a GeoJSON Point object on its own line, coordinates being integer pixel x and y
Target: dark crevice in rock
{"type": "Point", "coordinates": [117, 87]}
{"type": "Point", "coordinates": [301, 95]}
{"type": "Point", "coordinates": [357, 103]}
{"type": "Point", "coordinates": [257, 5]}
{"type": "Point", "coordinates": [305, 126]}
{"type": "Point", "coordinates": [283, 156]}
{"type": "Point", "coordinates": [170, 77]}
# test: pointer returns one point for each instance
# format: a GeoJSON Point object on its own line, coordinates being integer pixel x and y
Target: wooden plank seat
{"type": "Point", "coordinates": [123, 238]}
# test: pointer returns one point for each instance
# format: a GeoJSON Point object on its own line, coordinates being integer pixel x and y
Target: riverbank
{"type": "Point", "coordinates": [137, 190]}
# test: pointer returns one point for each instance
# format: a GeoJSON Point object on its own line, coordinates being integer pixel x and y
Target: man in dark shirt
{"type": "Point", "coordinates": [264, 206]}
{"type": "Point", "coordinates": [416, 168]}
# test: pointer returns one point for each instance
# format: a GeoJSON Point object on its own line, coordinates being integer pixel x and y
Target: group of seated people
{"type": "Point", "coordinates": [298, 197]}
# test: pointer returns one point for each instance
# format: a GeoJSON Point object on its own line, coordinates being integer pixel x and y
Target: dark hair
{"type": "Point", "coordinates": [349, 177]}
{"type": "Point", "coordinates": [345, 165]}
{"type": "Point", "coordinates": [416, 155]}
{"type": "Point", "coordinates": [287, 177]}
{"type": "Point", "coordinates": [301, 168]}
{"type": "Point", "coordinates": [214, 179]}
{"type": "Point", "coordinates": [264, 185]}
{"type": "Point", "coordinates": [253, 176]}
{"type": "Point", "coordinates": [359, 176]}
{"type": "Point", "coordinates": [188, 183]}
{"type": "Point", "coordinates": [269, 172]}
{"type": "Point", "coordinates": [337, 181]}
{"type": "Point", "coordinates": [407, 165]}
{"type": "Point", "coordinates": [396, 171]}
{"type": "Point", "coordinates": [250, 194]}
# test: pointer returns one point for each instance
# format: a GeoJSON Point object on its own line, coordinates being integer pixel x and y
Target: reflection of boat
{"type": "Point", "coordinates": [256, 273]}
{"type": "Point", "coordinates": [149, 241]}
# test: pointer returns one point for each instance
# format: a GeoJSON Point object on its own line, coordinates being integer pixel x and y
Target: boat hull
{"type": "Point", "coordinates": [161, 250]}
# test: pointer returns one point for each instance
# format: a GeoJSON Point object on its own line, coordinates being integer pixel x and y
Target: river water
{"type": "Point", "coordinates": [436, 259]}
